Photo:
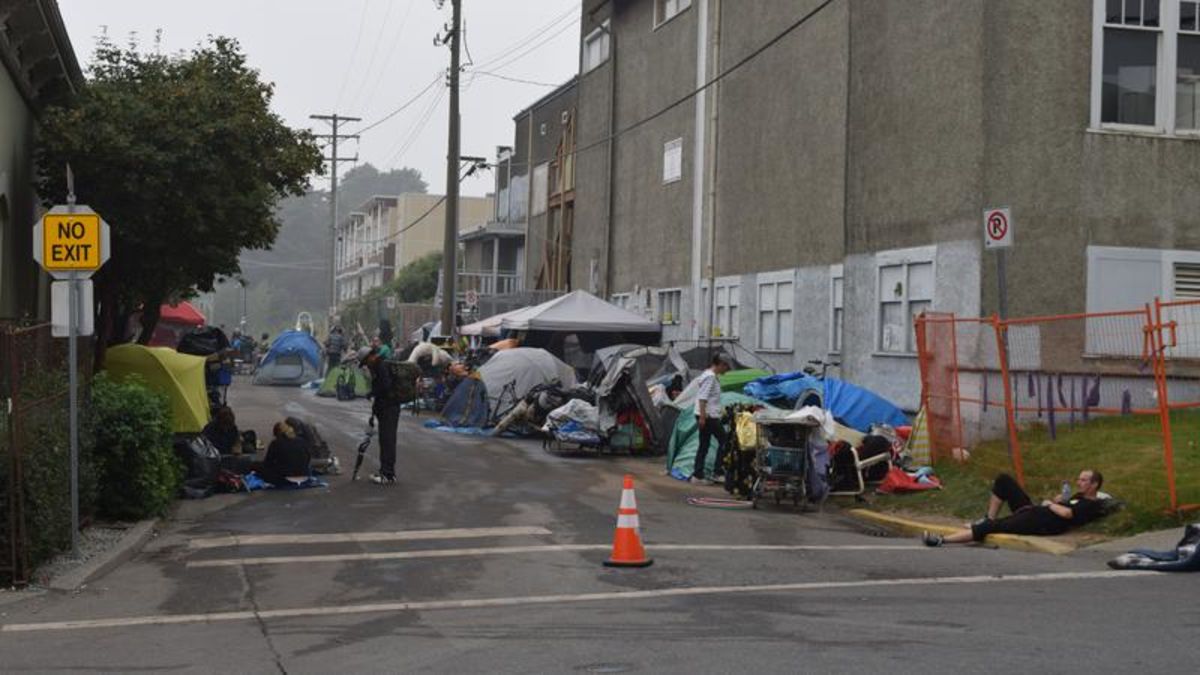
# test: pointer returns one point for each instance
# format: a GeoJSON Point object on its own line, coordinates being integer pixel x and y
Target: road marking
{"type": "Point", "coordinates": [485, 603]}
{"type": "Point", "coordinates": [364, 537]}
{"type": "Point", "coordinates": [510, 550]}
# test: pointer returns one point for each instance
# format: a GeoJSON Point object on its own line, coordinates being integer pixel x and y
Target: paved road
{"type": "Point", "coordinates": [497, 569]}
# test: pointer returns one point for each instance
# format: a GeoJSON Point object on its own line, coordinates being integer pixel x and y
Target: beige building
{"type": "Point", "coordinates": [386, 233]}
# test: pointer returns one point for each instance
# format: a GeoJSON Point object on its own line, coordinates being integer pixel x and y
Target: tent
{"type": "Point", "coordinates": [511, 373]}
{"type": "Point", "coordinates": [180, 377]}
{"type": "Point", "coordinates": [685, 438]}
{"type": "Point", "coordinates": [735, 380]}
{"type": "Point", "coordinates": [596, 324]}
{"type": "Point", "coordinates": [851, 404]}
{"type": "Point", "coordinates": [293, 359]}
{"type": "Point", "coordinates": [173, 323]}
{"type": "Point", "coordinates": [624, 386]}
{"type": "Point", "coordinates": [352, 375]}
{"type": "Point", "coordinates": [467, 405]}
{"type": "Point", "coordinates": [489, 327]}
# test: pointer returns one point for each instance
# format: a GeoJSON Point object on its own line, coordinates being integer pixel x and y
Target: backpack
{"type": "Point", "coordinates": [404, 375]}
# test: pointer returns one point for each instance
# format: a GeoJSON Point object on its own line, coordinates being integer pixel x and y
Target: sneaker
{"type": "Point", "coordinates": [931, 539]}
{"type": "Point", "coordinates": [380, 479]}
{"type": "Point", "coordinates": [977, 523]}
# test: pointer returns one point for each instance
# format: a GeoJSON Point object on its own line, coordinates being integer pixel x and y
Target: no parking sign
{"type": "Point", "coordinates": [997, 228]}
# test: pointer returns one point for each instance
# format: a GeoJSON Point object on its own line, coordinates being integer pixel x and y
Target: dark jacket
{"type": "Point", "coordinates": [381, 386]}
{"type": "Point", "coordinates": [286, 457]}
{"type": "Point", "coordinates": [223, 439]}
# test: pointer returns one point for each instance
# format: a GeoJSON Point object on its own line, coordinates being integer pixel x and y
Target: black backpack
{"type": "Point", "coordinates": [404, 375]}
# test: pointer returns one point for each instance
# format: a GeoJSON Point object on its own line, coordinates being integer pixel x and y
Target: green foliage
{"type": "Point", "coordinates": [139, 474]}
{"type": "Point", "coordinates": [183, 157]}
{"type": "Point", "coordinates": [415, 282]}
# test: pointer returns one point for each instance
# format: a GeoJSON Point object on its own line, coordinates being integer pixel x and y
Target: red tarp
{"type": "Point", "coordinates": [183, 313]}
{"type": "Point", "coordinates": [173, 323]}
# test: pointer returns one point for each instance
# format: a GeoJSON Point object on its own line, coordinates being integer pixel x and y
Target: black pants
{"type": "Point", "coordinates": [387, 416]}
{"type": "Point", "coordinates": [711, 429]}
{"type": "Point", "coordinates": [1026, 518]}
{"type": "Point", "coordinates": [333, 359]}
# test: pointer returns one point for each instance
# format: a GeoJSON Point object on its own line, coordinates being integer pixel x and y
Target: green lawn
{"type": "Point", "coordinates": [1127, 450]}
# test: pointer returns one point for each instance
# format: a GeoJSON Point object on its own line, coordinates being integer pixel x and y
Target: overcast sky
{"type": "Point", "coordinates": [365, 58]}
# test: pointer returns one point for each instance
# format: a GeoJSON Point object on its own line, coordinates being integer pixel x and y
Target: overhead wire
{"type": "Point", "coordinates": [362, 21]}
{"type": "Point", "coordinates": [517, 57]}
{"type": "Point", "coordinates": [514, 79]}
{"type": "Point", "coordinates": [387, 15]}
{"type": "Point", "coordinates": [416, 130]}
{"type": "Point", "coordinates": [521, 42]}
{"type": "Point", "coordinates": [387, 61]}
{"type": "Point", "coordinates": [403, 106]}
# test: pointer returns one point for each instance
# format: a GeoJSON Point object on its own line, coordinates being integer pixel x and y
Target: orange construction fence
{"type": "Point", "coordinates": [1026, 380]}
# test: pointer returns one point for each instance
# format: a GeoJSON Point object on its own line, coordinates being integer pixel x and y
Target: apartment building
{"type": "Point", "coordinates": [829, 183]}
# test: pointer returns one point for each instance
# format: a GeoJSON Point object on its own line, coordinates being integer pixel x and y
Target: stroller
{"type": "Point", "coordinates": [793, 464]}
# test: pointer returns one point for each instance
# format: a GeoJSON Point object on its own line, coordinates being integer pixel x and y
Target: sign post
{"type": "Point", "coordinates": [71, 242]}
{"type": "Point", "coordinates": [998, 236]}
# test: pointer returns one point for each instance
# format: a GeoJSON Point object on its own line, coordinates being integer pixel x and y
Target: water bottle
{"type": "Point", "coordinates": [1066, 492]}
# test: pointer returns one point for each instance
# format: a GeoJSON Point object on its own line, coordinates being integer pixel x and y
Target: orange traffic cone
{"type": "Point", "coordinates": [627, 544]}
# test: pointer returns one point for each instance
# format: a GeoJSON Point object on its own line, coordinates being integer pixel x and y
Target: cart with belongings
{"type": "Point", "coordinates": [791, 457]}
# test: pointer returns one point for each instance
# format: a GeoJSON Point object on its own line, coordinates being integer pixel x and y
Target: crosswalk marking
{"type": "Point", "coordinates": [364, 537]}
{"type": "Point", "coordinates": [511, 550]}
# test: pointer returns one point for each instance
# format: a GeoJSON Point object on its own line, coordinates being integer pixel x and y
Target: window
{"type": "Point", "coordinates": [665, 10]}
{"type": "Point", "coordinates": [905, 290]}
{"type": "Point", "coordinates": [837, 287]}
{"type": "Point", "coordinates": [620, 300]}
{"type": "Point", "coordinates": [775, 312]}
{"type": "Point", "coordinates": [724, 308]}
{"type": "Point", "coordinates": [669, 302]}
{"type": "Point", "coordinates": [672, 161]}
{"type": "Point", "coordinates": [595, 47]}
{"type": "Point", "coordinates": [1146, 65]}
{"type": "Point", "coordinates": [1125, 279]}
{"type": "Point", "coordinates": [541, 183]}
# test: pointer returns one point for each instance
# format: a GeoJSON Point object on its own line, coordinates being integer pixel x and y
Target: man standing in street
{"type": "Point", "coordinates": [708, 414]}
{"type": "Point", "coordinates": [335, 344]}
{"type": "Point", "coordinates": [385, 406]}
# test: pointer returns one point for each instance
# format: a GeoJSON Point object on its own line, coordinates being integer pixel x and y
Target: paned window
{"type": "Point", "coordinates": [905, 290]}
{"type": "Point", "coordinates": [775, 331]}
{"type": "Point", "coordinates": [669, 302]}
{"type": "Point", "coordinates": [672, 161]}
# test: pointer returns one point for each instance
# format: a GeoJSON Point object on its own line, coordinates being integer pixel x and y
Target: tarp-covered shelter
{"type": "Point", "coordinates": [179, 377]}
{"type": "Point", "coordinates": [593, 321]}
{"type": "Point", "coordinates": [851, 404]}
{"type": "Point", "coordinates": [467, 405]}
{"type": "Point", "coordinates": [625, 375]}
{"type": "Point", "coordinates": [293, 359]}
{"type": "Point", "coordinates": [511, 373]}
{"type": "Point", "coordinates": [349, 375]}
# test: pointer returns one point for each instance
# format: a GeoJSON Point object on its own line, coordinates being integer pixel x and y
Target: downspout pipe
{"type": "Point", "coordinates": [607, 290]}
{"type": "Point", "coordinates": [712, 173]}
{"type": "Point", "coordinates": [698, 166]}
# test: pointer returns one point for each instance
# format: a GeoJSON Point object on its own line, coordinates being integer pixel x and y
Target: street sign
{"type": "Point", "coordinates": [71, 240]}
{"type": "Point", "coordinates": [60, 309]}
{"type": "Point", "coordinates": [391, 302]}
{"type": "Point", "coordinates": [997, 228]}
{"type": "Point", "coordinates": [472, 298]}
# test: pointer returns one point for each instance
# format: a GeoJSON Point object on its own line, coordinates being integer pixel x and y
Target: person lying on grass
{"type": "Point", "coordinates": [1050, 517]}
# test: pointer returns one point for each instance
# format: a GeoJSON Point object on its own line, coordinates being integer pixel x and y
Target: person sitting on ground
{"type": "Point", "coordinates": [1048, 518]}
{"type": "Point", "coordinates": [287, 455]}
{"type": "Point", "coordinates": [223, 432]}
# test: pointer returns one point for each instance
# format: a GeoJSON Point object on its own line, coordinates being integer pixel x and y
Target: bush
{"type": "Point", "coordinates": [138, 472]}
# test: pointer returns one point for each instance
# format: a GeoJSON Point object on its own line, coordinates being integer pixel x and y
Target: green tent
{"type": "Point", "coordinates": [352, 375]}
{"type": "Point", "coordinates": [685, 438]}
{"type": "Point", "coordinates": [180, 377]}
{"type": "Point", "coordinates": [734, 380]}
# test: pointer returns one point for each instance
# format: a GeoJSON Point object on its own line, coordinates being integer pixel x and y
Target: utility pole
{"type": "Point", "coordinates": [450, 239]}
{"type": "Point", "coordinates": [334, 121]}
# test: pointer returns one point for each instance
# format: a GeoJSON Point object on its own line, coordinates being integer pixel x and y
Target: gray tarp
{"type": "Point", "coordinates": [579, 311]}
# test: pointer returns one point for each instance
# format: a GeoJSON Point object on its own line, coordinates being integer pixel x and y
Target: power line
{"type": "Point", "coordinates": [387, 61]}
{"type": "Point", "coordinates": [416, 130]}
{"type": "Point", "coordinates": [509, 61]}
{"type": "Point", "coordinates": [536, 33]}
{"type": "Point", "coordinates": [404, 106]}
{"type": "Point", "coordinates": [512, 79]}
{"type": "Point", "coordinates": [374, 52]}
{"type": "Point", "coordinates": [362, 21]}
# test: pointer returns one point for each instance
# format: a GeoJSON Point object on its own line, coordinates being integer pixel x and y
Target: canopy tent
{"type": "Point", "coordinates": [293, 359]}
{"type": "Point", "coordinates": [576, 312]}
{"type": "Point", "coordinates": [511, 373]}
{"type": "Point", "coordinates": [180, 377]}
{"type": "Point", "coordinates": [489, 327]}
{"type": "Point", "coordinates": [685, 438]}
{"type": "Point", "coordinates": [174, 321]}
{"type": "Point", "coordinates": [346, 373]}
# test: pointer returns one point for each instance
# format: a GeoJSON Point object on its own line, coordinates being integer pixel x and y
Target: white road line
{"type": "Point", "coordinates": [510, 550]}
{"type": "Point", "coordinates": [482, 603]}
{"type": "Point", "coordinates": [363, 537]}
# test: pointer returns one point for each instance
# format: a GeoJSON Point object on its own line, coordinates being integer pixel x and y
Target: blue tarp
{"type": "Point", "coordinates": [468, 405]}
{"type": "Point", "coordinates": [850, 404]}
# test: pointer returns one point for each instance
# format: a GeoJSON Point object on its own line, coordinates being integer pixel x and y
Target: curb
{"type": "Point", "coordinates": [128, 546]}
{"type": "Point", "coordinates": [1013, 542]}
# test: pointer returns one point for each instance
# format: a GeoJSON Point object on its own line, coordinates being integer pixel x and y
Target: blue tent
{"type": "Point", "coordinates": [294, 359]}
{"type": "Point", "coordinates": [850, 404]}
{"type": "Point", "coordinates": [468, 405]}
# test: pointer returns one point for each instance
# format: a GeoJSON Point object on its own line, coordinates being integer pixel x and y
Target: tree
{"type": "Point", "coordinates": [183, 157]}
{"type": "Point", "coordinates": [417, 281]}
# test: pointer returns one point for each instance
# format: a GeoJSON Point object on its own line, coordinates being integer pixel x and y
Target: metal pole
{"type": "Point", "coordinates": [333, 217]}
{"type": "Point", "coordinates": [1002, 278]}
{"type": "Point", "coordinates": [73, 379]}
{"type": "Point", "coordinates": [450, 237]}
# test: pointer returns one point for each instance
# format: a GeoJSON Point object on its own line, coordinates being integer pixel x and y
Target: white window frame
{"type": "Point", "coordinates": [620, 300]}
{"type": "Point", "coordinates": [673, 161]}
{"type": "Point", "coordinates": [732, 286]}
{"type": "Point", "coordinates": [598, 35]}
{"type": "Point", "coordinates": [665, 10]}
{"type": "Point", "coordinates": [539, 189]}
{"type": "Point", "coordinates": [1167, 62]}
{"type": "Point", "coordinates": [774, 280]}
{"type": "Point", "coordinates": [904, 258]}
{"type": "Point", "coordinates": [674, 318]}
{"type": "Point", "coordinates": [837, 323]}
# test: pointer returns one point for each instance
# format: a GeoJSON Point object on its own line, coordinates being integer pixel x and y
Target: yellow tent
{"type": "Point", "coordinates": [178, 376]}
